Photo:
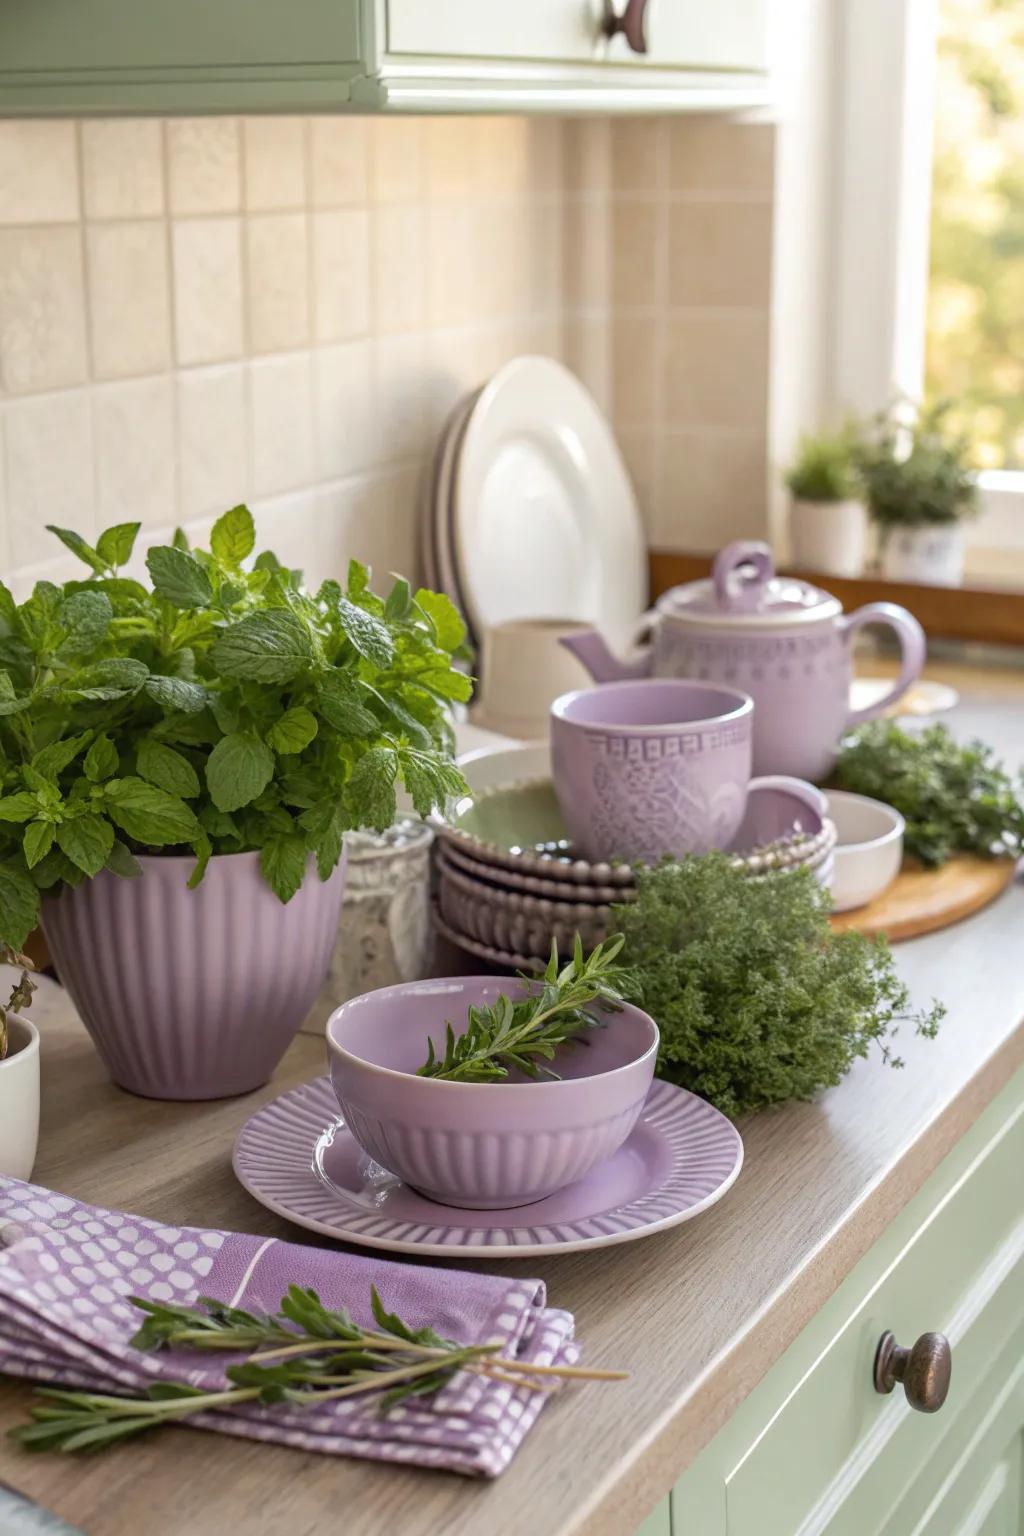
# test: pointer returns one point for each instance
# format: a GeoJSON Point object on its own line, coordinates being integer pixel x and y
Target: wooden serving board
{"type": "Point", "coordinates": [921, 900]}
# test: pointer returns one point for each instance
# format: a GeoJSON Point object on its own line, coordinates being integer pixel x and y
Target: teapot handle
{"type": "Point", "coordinates": [737, 588]}
{"type": "Point", "coordinates": [913, 650]}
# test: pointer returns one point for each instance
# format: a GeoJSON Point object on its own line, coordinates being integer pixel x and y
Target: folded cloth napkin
{"type": "Point", "coordinates": [67, 1268]}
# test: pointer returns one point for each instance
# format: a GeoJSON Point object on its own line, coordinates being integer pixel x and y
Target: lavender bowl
{"type": "Point", "coordinates": [482, 1146]}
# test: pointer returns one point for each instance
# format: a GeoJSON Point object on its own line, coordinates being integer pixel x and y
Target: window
{"type": "Point", "coordinates": [975, 320]}
{"type": "Point", "coordinates": [929, 233]}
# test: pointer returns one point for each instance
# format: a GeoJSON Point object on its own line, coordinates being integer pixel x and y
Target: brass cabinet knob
{"type": "Point", "coordinates": [630, 23]}
{"type": "Point", "coordinates": [924, 1369]}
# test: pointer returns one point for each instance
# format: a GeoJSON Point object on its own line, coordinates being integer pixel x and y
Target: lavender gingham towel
{"type": "Point", "coordinates": [67, 1268]}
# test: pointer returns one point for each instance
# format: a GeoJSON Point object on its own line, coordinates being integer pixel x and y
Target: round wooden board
{"type": "Point", "coordinates": [921, 900]}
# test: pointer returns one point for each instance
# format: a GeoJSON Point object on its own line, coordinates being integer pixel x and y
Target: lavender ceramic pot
{"type": "Point", "coordinates": [193, 994]}
{"type": "Point", "coordinates": [783, 641]}
{"type": "Point", "coordinates": [482, 1145]}
{"type": "Point", "coordinates": [654, 767]}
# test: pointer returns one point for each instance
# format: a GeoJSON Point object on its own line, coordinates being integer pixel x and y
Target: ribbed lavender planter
{"type": "Point", "coordinates": [193, 994]}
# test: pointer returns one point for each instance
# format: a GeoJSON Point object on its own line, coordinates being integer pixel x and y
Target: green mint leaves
{"type": "Point", "coordinates": [179, 578]}
{"type": "Point", "coordinates": [239, 768]}
{"type": "Point", "coordinates": [222, 710]}
{"type": "Point", "coordinates": [269, 647]}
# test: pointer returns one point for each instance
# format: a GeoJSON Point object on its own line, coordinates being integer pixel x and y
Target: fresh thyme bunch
{"type": "Point", "coordinates": [955, 798]}
{"type": "Point", "coordinates": [757, 999]}
{"type": "Point", "coordinates": [304, 1355]}
{"type": "Point", "coordinates": [521, 1036]}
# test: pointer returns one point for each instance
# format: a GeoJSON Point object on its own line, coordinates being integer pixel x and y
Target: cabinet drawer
{"type": "Point", "coordinates": [556, 30]}
{"type": "Point", "coordinates": [960, 1272]}
{"type": "Point", "coordinates": [681, 34]}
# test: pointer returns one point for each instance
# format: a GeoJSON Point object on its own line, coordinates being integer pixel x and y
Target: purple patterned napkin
{"type": "Point", "coordinates": [66, 1269]}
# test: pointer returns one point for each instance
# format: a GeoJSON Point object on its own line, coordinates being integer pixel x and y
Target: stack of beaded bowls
{"type": "Point", "coordinates": [509, 880]}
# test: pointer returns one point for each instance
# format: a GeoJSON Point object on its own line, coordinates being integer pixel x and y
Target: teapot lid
{"type": "Point", "coordinates": [744, 589]}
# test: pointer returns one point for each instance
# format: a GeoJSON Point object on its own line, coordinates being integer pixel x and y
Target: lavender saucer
{"type": "Point", "coordinates": [296, 1157]}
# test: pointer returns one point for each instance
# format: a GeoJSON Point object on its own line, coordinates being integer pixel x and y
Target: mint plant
{"type": "Point", "coordinates": [225, 709]}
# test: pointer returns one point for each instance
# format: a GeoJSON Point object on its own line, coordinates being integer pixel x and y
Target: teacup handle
{"type": "Point", "coordinates": [913, 650]}
{"type": "Point", "coordinates": [814, 798]}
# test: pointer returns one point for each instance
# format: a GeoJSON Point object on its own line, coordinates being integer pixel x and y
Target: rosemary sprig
{"type": "Point", "coordinates": [520, 1036]}
{"type": "Point", "coordinates": [318, 1356]}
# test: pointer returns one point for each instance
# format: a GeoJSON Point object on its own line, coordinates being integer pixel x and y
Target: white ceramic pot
{"type": "Point", "coordinates": [932, 554]}
{"type": "Point", "coordinates": [868, 851]}
{"type": "Point", "coordinates": [829, 536]}
{"type": "Point", "coordinates": [19, 1099]}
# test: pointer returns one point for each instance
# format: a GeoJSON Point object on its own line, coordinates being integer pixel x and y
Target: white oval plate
{"type": "Point", "coordinates": [545, 521]}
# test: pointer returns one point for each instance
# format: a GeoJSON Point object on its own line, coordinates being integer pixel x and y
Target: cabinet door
{"type": "Point", "coordinates": [690, 34]}
{"type": "Point", "coordinates": [112, 35]}
{"type": "Point", "coordinates": [974, 1484]}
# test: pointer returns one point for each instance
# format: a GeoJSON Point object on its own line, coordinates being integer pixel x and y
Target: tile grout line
{"type": "Point", "coordinates": [172, 316]}
{"type": "Point", "coordinates": [90, 383]}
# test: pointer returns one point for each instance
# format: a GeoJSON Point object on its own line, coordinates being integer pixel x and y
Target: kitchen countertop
{"type": "Point", "coordinates": [697, 1314]}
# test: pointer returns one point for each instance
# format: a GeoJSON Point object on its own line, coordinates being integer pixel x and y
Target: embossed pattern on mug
{"type": "Point", "coordinates": [648, 794]}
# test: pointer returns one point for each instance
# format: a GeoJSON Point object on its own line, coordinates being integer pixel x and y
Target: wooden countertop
{"type": "Point", "coordinates": [698, 1314]}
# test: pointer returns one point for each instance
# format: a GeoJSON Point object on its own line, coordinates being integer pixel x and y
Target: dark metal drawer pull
{"type": "Point", "coordinates": [924, 1369]}
{"type": "Point", "coordinates": [630, 23]}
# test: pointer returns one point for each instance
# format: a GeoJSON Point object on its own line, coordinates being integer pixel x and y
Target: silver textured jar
{"type": "Point", "coordinates": [385, 934]}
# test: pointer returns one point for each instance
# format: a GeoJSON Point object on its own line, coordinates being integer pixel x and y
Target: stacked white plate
{"type": "Point", "coordinates": [531, 514]}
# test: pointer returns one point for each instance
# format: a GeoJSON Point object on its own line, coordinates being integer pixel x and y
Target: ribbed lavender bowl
{"type": "Point", "coordinates": [193, 994]}
{"type": "Point", "coordinates": [482, 1145]}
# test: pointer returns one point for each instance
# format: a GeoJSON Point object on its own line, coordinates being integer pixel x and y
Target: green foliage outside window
{"type": "Point", "coordinates": [975, 343]}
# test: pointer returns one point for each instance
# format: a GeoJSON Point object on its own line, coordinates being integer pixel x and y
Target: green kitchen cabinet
{"type": "Point", "coordinates": [817, 1450]}
{"type": "Point", "coordinates": [108, 56]}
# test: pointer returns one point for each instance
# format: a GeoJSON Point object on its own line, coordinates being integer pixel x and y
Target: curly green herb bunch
{"type": "Point", "coordinates": [956, 798]}
{"type": "Point", "coordinates": [757, 999]}
{"type": "Point", "coordinates": [916, 475]}
{"type": "Point", "coordinates": [225, 709]}
{"type": "Point", "coordinates": [824, 467]}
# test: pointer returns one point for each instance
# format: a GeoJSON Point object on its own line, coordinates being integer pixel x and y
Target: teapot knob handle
{"type": "Point", "coordinates": [740, 572]}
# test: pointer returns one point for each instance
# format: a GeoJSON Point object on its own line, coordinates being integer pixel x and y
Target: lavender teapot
{"type": "Point", "coordinates": [781, 640]}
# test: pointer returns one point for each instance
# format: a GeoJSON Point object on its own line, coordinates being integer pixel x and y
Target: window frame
{"type": "Point", "coordinates": [885, 70]}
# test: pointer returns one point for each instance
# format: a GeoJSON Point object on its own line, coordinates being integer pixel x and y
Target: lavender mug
{"type": "Point", "coordinates": [651, 767]}
{"type": "Point", "coordinates": [780, 639]}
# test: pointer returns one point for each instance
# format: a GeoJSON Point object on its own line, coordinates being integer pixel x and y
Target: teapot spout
{"type": "Point", "coordinates": [590, 647]}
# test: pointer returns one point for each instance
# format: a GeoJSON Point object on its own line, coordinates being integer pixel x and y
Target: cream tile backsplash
{"type": "Point", "coordinates": [193, 312]}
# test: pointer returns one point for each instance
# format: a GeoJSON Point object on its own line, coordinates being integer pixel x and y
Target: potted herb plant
{"type": "Point", "coordinates": [919, 491]}
{"type": "Point", "coordinates": [179, 762]}
{"type": "Point", "coordinates": [19, 1074]}
{"type": "Point", "coordinates": [828, 522]}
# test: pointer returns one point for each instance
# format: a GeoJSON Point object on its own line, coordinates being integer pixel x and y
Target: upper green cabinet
{"type": "Point", "coordinates": [103, 56]}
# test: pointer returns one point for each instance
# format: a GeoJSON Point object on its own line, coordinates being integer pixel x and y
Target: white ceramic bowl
{"type": "Point", "coordinates": [868, 851]}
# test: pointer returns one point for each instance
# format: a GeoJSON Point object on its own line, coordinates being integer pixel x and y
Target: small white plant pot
{"type": "Point", "coordinates": [829, 536]}
{"type": "Point", "coordinates": [19, 1099]}
{"type": "Point", "coordinates": [932, 555]}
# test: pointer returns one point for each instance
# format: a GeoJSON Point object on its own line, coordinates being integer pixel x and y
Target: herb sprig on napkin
{"type": "Point", "coordinates": [522, 1036]}
{"type": "Point", "coordinates": [305, 1355]}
